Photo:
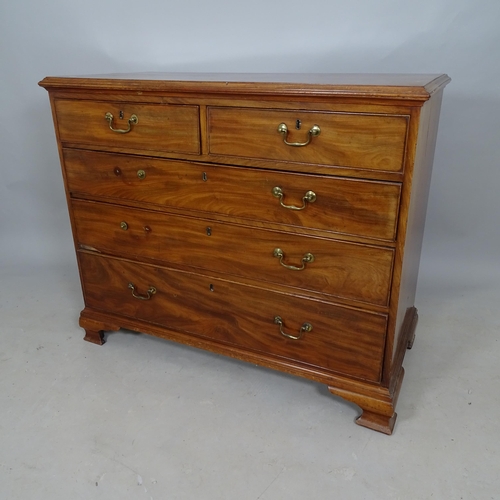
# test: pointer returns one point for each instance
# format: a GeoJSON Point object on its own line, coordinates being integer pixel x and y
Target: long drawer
{"type": "Point", "coordinates": [332, 337]}
{"type": "Point", "coordinates": [340, 205]}
{"type": "Point", "coordinates": [358, 272]}
{"type": "Point", "coordinates": [155, 127]}
{"type": "Point", "coordinates": [358, 140]}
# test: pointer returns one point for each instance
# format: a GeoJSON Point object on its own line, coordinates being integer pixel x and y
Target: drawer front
{"type": "Point", "coordinates": [341, 340]}
{"type": "Point", "coordinates": [349, 206]}
{"type": "Point", "coordinates": [358, 272]}
{"type": "Point", "coordinates": [170, 128]}
{"type": "Point", "coordinates": [355, 140]}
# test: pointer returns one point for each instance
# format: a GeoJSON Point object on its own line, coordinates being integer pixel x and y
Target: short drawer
{"type": "Point", "coordinates": [358, 140]}
{"type": "Point", "coordinates": [341, 269]}
{"type": "Point", "coordinates": [334, 338]}
{"type": "Point", "coordinates": [340, 205]}
{"type": "Point", "coordinates": [166, 128]}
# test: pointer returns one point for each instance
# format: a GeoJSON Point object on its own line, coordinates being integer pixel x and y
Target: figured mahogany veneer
{"type": "Point", "coordinates": [343, 269]}
{"type": "Point", "coordinates": [195, 221]}
{"type": "Point", "coordinates": [343, 340]}
{"type": "Point", "coordinates": [371, 141]}
{"type": "Point", "coordinates": [350, 206]}
{"type": "Point", "coordinates": [164, 128]}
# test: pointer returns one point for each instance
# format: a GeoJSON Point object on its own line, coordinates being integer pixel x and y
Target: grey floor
{"type": "Point", "coordinates": [143, 418]}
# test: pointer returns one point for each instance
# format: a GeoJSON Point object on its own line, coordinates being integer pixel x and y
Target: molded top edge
{"type": "Point", "coordinates": [396, 86]}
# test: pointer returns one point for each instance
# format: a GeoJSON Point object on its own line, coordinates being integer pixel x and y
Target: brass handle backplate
{"type": "Point", "coordinates": [151, 291]}
{"type": "Point", "coordinates": [313, 132]}
{"type": "Point", "coordinates": [132, 120]}
{"type": "Point", "coordinates": [306, 327]}
{"type": "Point", "coordinates": [309, 197]}
{"type": "Point", "coordinates": [307, 259]}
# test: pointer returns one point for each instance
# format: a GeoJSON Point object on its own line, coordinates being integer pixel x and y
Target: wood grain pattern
{"type": "Point", "coordinates": [350, 206]}
{"type": "Point", "coordinates": [343, 340]}
{"type": "Point", "coordinates": [211, 154]}
{"type": "Point", "coordinates": [94, 329]}
{"type": "Point", "coordinates": [378, 408]}
{"type": "Point", "coordinates": [406, 87]}
{"type": "Point", "coordinates": [167, 128]}
{"type": "Point", "coordinates": [341, 269]}
{"type": "Point", "coordinates": [347, 139]}
{"type": "Point", "coordinates": [412, 231]}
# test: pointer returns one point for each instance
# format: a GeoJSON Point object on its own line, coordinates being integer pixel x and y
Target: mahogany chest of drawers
{"type": "Point", "coordinates": [277, 219]}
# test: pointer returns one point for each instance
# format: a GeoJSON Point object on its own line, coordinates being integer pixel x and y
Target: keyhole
{"type": "Point", "coordinates": [298, 124]}
{"type": "Point", "coordinates": [209, 231]}
{"type": "Point", "coordinates": [211, 287]}
{"type": "Point", "coordinates": [204, 177]}
{"type": "Point", "coordinates": [121, 115]}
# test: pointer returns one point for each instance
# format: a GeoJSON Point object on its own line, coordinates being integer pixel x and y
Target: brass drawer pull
{"type": "Point", "coordinates": [313, 132]}
{"type": "Point", "coordinates": [132, 120]}
{"type": "Point", "coordinates": [141, 174]}
{"type": "Point", "coordinates": [306, 327]}
{"type": "Point", "coordinates": [310, 197]}
{"type": "Point", "coordinates": [151, 291]}
{"type": "Point", "coordinates": [307, 259]}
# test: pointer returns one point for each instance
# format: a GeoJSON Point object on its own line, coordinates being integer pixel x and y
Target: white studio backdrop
{"type": "Point", "coordinates": [64, 37]}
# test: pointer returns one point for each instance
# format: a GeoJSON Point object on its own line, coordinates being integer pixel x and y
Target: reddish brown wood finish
{"type": "Point", "coordinates": [349, 206]}
{"type": "Point", "coordinates": [94, 329]}
{"type": "Point", "coordinates": [352, 271]}
{"type": "Point", "coordinates": [408, 87]}
{"type": "Point", "coordinates": [161, 128]}
{"type": "Point", "coordinates": [342, 340]}
{"type": "Point", "coordinates": [202, 222]}
{"type": "Point", "coordinates": [348, 139]}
